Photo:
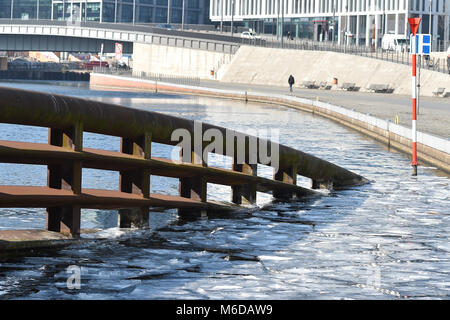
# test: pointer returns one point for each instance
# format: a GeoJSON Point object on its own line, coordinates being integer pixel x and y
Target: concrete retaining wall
{"type": "Point", "coordinates": [152, 58]}
{"type": "Point", "coordinates": [431, 149]}
{"type": "Point", "coordinates": [269, 66]}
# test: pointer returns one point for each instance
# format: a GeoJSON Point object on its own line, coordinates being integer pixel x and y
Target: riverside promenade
{"type": "Point", "coordinates": [433, 115]}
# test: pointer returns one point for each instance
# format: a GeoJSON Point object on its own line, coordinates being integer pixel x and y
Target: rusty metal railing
{"type": "Point", "coordinates": [68, 118]}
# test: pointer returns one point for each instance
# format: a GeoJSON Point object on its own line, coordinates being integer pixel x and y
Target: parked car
{"type": "Point", "coordinates": [249, 35]}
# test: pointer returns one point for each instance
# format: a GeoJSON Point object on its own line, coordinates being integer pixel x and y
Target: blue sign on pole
{"type": "Point", "coordinates": [420, 44]}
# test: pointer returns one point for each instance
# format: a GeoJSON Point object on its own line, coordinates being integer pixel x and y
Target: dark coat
{"type": "Point", "coordinates": [291, 80]}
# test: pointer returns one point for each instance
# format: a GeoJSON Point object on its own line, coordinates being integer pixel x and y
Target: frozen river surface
{"type": "Point", "coordinates": [385, 240]}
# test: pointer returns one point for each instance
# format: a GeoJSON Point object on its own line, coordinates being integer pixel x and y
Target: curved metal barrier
{"type": "Point", "coordinates": [68, 117]}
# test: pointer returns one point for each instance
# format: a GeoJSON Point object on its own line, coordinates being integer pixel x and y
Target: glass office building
{"type": "Point", "coordinates": [344, 21]}
{"type": "Point", "coordinates": [119, 11]}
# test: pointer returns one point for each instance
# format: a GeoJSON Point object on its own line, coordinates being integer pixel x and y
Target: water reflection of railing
{"type": "Point", "coordinates": [68, 118]}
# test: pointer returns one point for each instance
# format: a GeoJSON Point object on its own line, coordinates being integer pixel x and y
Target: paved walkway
{"type": "Point", "coordinates": [433, 116]}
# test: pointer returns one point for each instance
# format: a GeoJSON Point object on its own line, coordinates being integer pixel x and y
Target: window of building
{"type": "Point", "coordinates": [126, 13]}
{"type": "Point", "coordinates": [25, 9]}
{"type": "Point", "coordinates": [58, 11]}
{"type": "Point", "coordinates": [93, 12]}
{"type": "Point", "coordinates": [108, 11]}
{"type": "Point", "coordinates": [6, 9]}
{"type": "Point", "coordinates": [192, 17]}
{"type": "Point", "coordinates": [175, 15]}
{"type": "Point", "coordinates": [193, 4]}
{"type": "Point", "coordinates": [145, 14]}
{"type": "Point", "coordinates": [177, 3]}
{"type": "Point", "coordinates": [161, 15]}
{"type": "Point", "coordinates": [45, 9]}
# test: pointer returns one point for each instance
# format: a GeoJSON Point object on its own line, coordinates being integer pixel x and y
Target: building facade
{"type": "Point", "coordinates": [118, 11]}
{"type": "Point", "coordinates": [362, 22]}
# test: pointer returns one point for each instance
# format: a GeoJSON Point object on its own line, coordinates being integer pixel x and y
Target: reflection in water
{"type": "Point", "coordinates": [388, 239]}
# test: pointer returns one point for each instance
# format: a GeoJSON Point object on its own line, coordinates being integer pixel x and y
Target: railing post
{"type": "Point", "coordinates": [193, 187]}
{"type": "Point", "coordinates": [244, 194]}
{"type": "Point", "coordinates": [136, 181]}
{"type": "Point", "coordinates": [286, 174]}
{"type": "Point", "coordinates": [65, 176]}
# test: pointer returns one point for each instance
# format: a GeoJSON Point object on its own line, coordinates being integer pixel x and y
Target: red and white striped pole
{"type": "Point", "coordinates": [414, 24]}
{"type": "Point", "coordinates": [414, 115]}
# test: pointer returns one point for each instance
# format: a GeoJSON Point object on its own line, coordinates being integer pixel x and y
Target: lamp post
{"type": "Point", "coordinates": [134, 11]}
{"type": "Point", "coordinates": [278, 18]}
{"type": "Point", "coordinates": [232, 16]}
{"type": "Point", "coordinates": [182, 16]}
{"type": "Point", "coordinates": [282, 21]}
{"type": "Point", "coordinates": [334, 19]}
{"type": "Point", "coordinates": [221, 16]}
{"type": "Point", "coordinates": [429, 22]}
{"type": "Point", "coordinates": [115, 11]}
{"type": "Point", "coordinates": [168, 11]}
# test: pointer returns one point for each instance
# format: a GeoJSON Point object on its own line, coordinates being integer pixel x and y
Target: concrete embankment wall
{"type": "Point", "coordinates": [431, 149]}
{"type": "Point", "coordinates": [268, 66]}
{"type": "Point", "coordinates": [152, 58]}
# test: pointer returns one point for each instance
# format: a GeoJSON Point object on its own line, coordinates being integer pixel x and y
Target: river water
{"type": "Point", "coordinates": [385, 240]}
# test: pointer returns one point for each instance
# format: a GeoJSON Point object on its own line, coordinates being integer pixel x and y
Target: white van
{"type": "Point", "coordinates": [395, 42]}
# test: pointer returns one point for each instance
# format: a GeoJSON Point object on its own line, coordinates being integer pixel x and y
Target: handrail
{"type": "Point", "coordinates": [68, 117]}
{"type": "Point", "coordinates": [56, 111]}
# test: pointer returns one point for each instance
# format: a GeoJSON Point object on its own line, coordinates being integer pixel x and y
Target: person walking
{"type": "Point", "coordinates": [291, 82]}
